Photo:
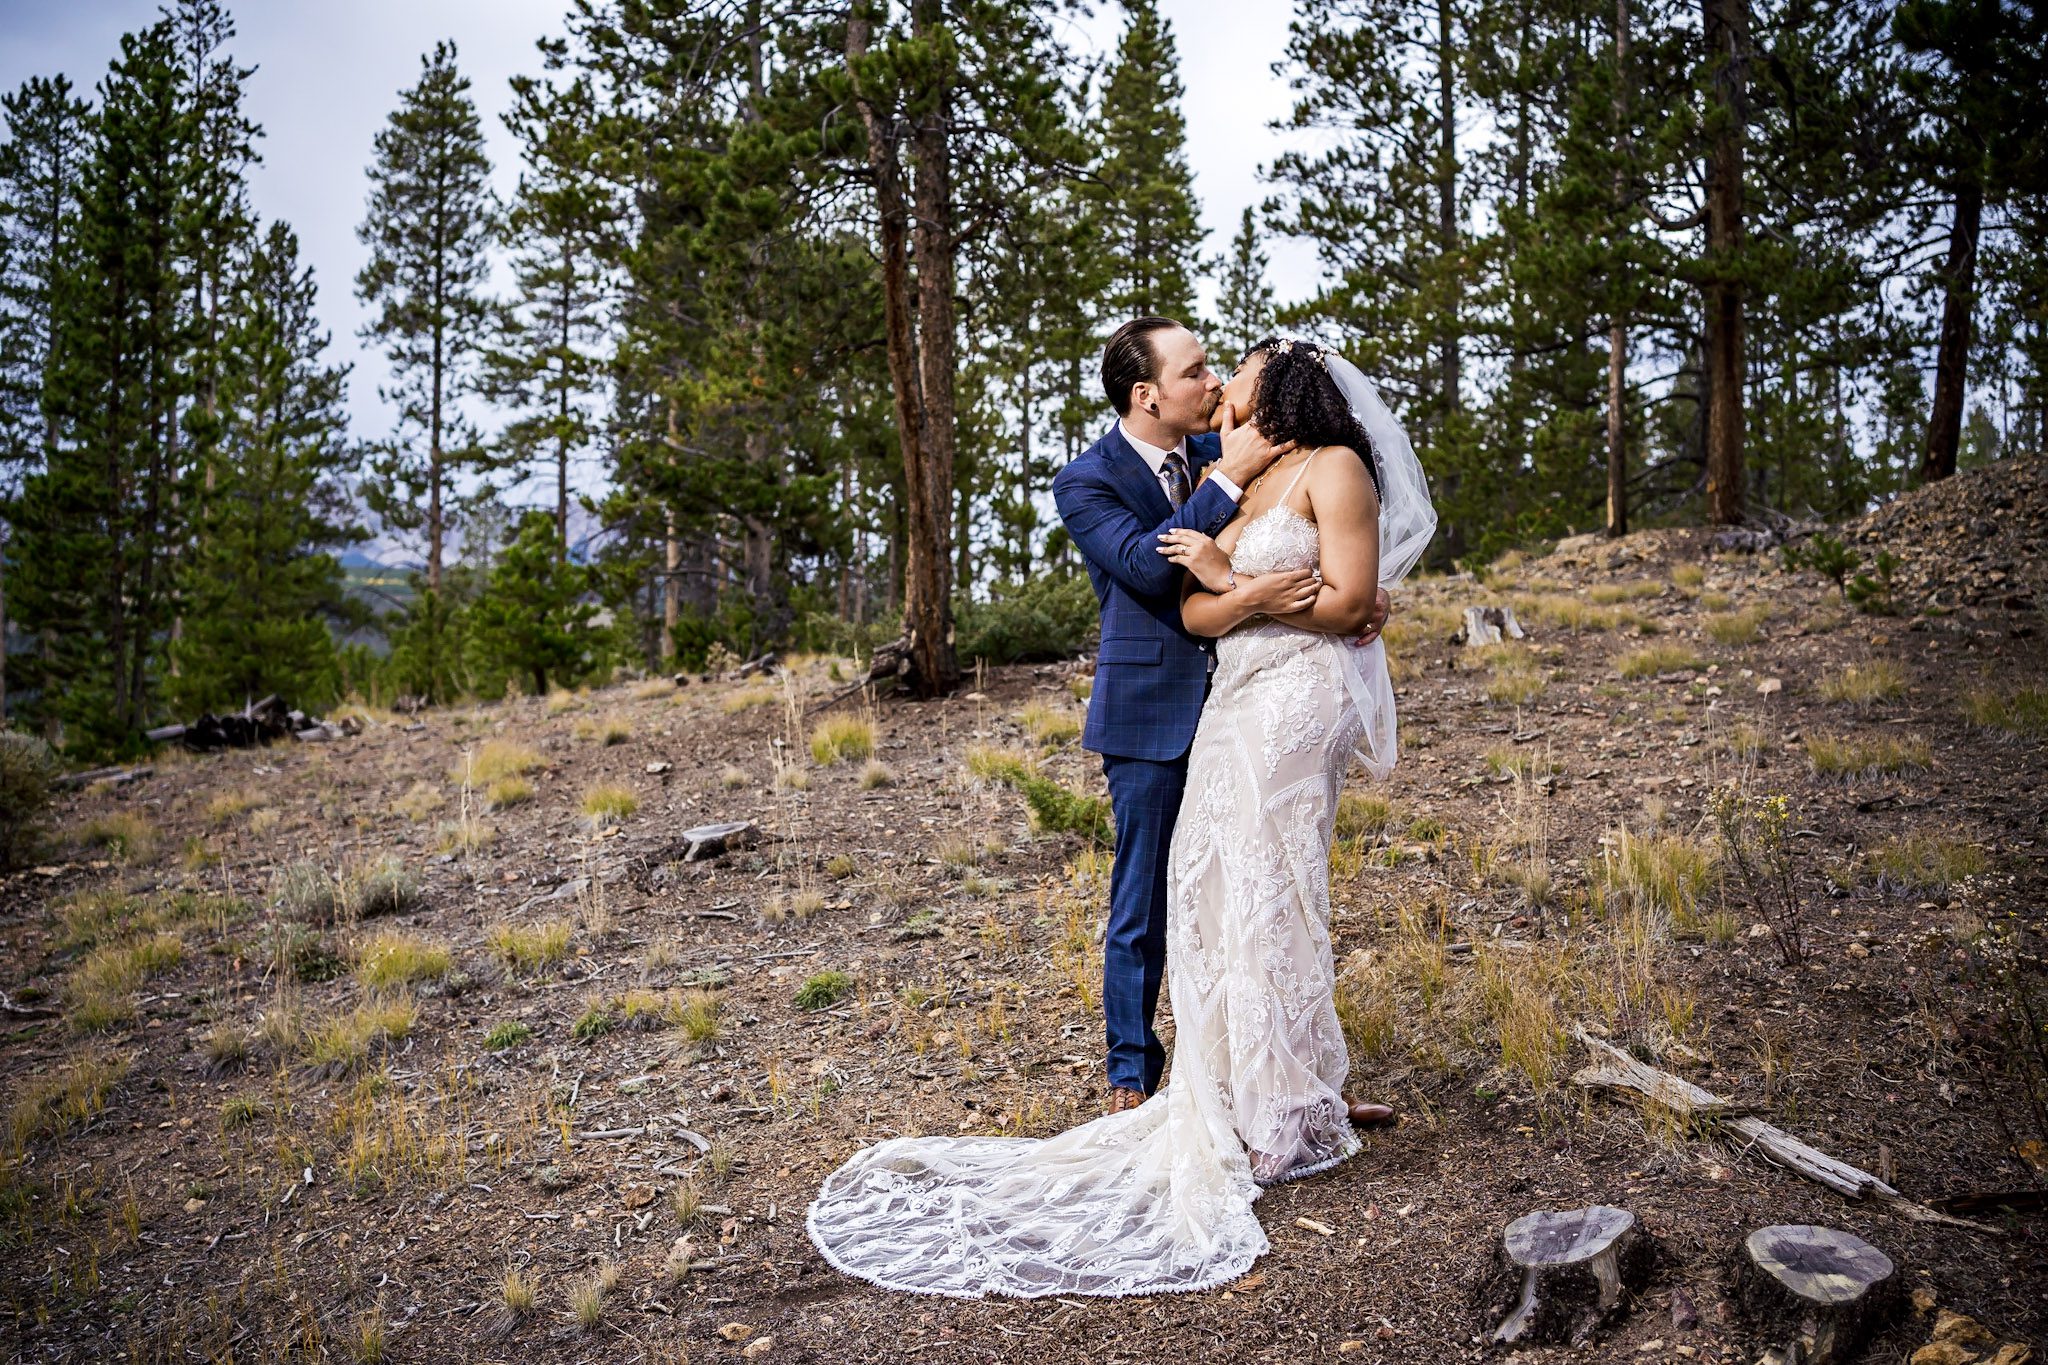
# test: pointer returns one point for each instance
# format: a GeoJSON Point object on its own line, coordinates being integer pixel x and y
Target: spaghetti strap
{"type": "Point", "coordinates": [1297, 476]}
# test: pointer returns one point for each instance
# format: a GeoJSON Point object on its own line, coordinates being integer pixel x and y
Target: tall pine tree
{"type": "Point", "coordinates": [1150, 225]}
{"type": "Point", "coordinates": [263, 585]}
{"type": "Point", "coordinates": [1244, 298]}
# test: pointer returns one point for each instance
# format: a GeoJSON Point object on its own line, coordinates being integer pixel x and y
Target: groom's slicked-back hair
{"type": "Point", "coordinates": [1131, 358]}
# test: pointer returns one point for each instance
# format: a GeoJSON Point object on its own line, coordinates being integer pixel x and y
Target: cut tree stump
{"type": "Point", "coordinates": [708, 841]}
{"type": "Point", "coordinates": [1573, 1269]}
{"type": "Point", "coordinates": [1488, 626]}
{"type": "Point", "coordinates": [1816, 1294]}
{"type": "Point", "coordinates": [113, 776]}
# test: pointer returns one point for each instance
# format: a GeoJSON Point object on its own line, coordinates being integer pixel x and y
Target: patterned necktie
{"type": "Point", "coordinates": [1176, 469]}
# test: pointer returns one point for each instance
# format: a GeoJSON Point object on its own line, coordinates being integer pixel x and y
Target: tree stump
{"type": "Point", "coordinates": [708, 841]}
{"type": "Point", "coordinates": [1816, 1293]}
{"type": "Point", "coordinates": [1574, 1268]}
{"type": "Point", "coordinates": [1488, 626]}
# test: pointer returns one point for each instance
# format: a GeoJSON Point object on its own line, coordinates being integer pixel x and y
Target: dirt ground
{"type": "Point", "coordinates": [244, 1182]}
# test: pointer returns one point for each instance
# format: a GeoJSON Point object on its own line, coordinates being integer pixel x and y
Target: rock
{"type": "Point", "coordinates": [736, 1331]}
{"type": "Point", "coordinates": [758, 1347]}
{"type": "Point", "coordinates": [1923, 1300]}
{"type": "Point", "coordinates": [1942, 1353]}
{"type": "Point", "coordinates": [1963, 1331]}
{"type": "Point", "coordinates": [1561, 1275]}
{"type": "Point", "coordinates": [1683, 1315]}
{"type": "Point", "coordinates": [2012, 1353]}
{"type": "Point", "coordinates": [1818, 1291]}
{"type": "Point", "coordinates": [1769, 686]}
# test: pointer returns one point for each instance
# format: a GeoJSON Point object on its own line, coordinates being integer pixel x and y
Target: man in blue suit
{"type": "Point", "coordinates": [1151, 676]}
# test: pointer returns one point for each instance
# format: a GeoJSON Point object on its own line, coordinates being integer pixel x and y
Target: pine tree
{"type": "Point", "coordinates": [1150, 220]}
{"type": "Point", "coordinates": [531, 622]}
{"type": "Point", "coordinates": [40, 170]}
{"type": "Point", "coordinates": [263, 586]}
{"type": "Point", "coordinates": [98, 525]}
{"type": "Point", "coordinates": [1244, 298]}
{"type": "Point", "coordinates": [547, 361]}
{"type": "Point", "coordinates": [431, 223]}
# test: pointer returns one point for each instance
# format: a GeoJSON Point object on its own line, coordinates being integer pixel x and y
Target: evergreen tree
{"type": "Point", "coordinates": [1244, 298]}
{"type": "Point", "coordinates": [531, 622]}
{"type": "Point", "coordinates": [1150, 228]}
{"type": "Point", "coordinates": [40, 172]}
{"type": "Point", "coordinates": [430, 227]}
{"type": "Point", "coordinates": [546, 363]}
{"type": "Point", "coordinates": [263, 586]}
{"type": "Point", "coordinates": [98, 525]}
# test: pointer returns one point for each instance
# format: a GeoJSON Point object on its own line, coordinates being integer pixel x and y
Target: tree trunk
{"type": "Point", "coordinates": [920, 376]}
{"type": "Point", "coordinates": [1952, 360]}
{"type": "Point", "coordinates": [1617, 327]}
{"type": "Point", "coordinates": [672, 585]}
{"type": "Point", "coordinates": [1447, 203]}
{"type": "Point", "coordinates": [1727, 40]}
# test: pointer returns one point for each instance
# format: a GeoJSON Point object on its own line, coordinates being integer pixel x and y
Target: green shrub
{"type": "Point", "coordinates": [27, 767]}
{"type": "Point", "coordinates": [1049, 617]}
{"type": "Point", "coordinates": [823, 990]}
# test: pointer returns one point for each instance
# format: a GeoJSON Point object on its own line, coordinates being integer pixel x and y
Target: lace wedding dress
{"type": "Point", "coordinates": [1159, 1198]}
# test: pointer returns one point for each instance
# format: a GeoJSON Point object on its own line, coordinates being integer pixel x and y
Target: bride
{"type": "Point", "coordinates": [1159, 1197]}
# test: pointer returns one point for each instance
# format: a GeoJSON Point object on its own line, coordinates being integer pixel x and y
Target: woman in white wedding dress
{"type": "Point", "coordinates": [1159, 1198]}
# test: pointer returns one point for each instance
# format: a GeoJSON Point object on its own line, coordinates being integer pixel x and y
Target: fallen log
{"type": "Point", "coordinates": [1619, 1071]}
{"type": "Point", "coordinates": [118, 777]}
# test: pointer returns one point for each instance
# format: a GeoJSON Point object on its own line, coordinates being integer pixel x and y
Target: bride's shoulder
{"type": "Point", "coordinates": [1340, 472]}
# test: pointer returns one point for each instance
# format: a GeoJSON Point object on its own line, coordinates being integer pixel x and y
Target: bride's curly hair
{"type": "Point", "coordinates": [1295, 399]}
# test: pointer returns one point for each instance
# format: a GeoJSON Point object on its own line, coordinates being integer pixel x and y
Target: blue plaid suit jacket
{"type": "Point", "coordinates": [1151, 675]}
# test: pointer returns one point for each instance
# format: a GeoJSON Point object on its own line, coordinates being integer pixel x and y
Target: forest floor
{"type": "Point", "coordinates": [537, 1090]}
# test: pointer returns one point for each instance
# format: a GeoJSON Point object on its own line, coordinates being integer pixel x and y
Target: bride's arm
{"type": "Point", "coordinates": [1347, 512]}
{"type": "Point", "coordinates": [1210, 613]}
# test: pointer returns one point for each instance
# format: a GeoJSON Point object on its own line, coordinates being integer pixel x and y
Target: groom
{"type": "Point", "coordinates": [1151, 675]}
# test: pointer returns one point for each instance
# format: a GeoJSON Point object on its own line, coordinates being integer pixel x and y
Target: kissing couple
{"type": "Point", "coordinates": [1240, 537]}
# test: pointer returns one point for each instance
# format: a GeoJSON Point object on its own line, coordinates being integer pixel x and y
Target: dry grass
{"type": "Point", "coordinates": [732, 778]}
{"type": "Point", "coordinates": [653, 689]}
{"type": "Point", "coordinates": [54, 1100]}
{"type": "Point", "coordinates": [420, 801]}
{"type": "Point", "coordinates": [1568, 611]}
{"type": "Point", "coordinates": [516, 1292]}
{"type": "Point", "coordinates": [1652, 660]}
{"type": "Point", "coordinates": [128, 837]}
{"type": "Point", "coordinates": [529, 947]}
{"type": "Point", "coordinates": [342, 1042]}
{"type": "Point", "coordinates": [226, 807]}
{"type": "Point", "coordinates": [606, 730]}
{"type": "Point", "coordinates": [607, 805]}
{"type": "Point", "coordinates": [1049, 725]}
{"type": "Point", "coordinates": [748, 698]}
{"type": "Point", "coordinates": [1864, 684]}
{"type": "Point", "coordinates": [1849, 757]}
{"type": "Point", "coordinates": [382, 887]}
{"type": "Point", "coordinates": [499, 758]}
{"type": "Point", "coordinates": [839, 738]}
{"type": "Point", "coordinates": [99, 992]}
{"type": "Point", "coordinates": [1737, 627]}
{"type": "Point", "coordinates": [1924, 864]}
{"type": "Point", "coordinates": [1688, 577]}
{"type": "Point", "coordinates": [561, 701]}
{"type": "Point", "coordinates": [1659, 874]}
{"type": "Point", "coordinates": [1505, 760]}
{"type": "Point", "coordinates": [875, 774]}
{"type": "Point", "coordinates": [1610, 594]}
{"type": "Point", "coordinates": [465, 835]}
{"type": "Point", "coordinates": [507, 792]}
{"type": "Point", "coordinates": [2023, 711]}
{"type": "Point", "coordinates": [1517, 676]}
{"type": "Point", "coordinates": [391, 958]}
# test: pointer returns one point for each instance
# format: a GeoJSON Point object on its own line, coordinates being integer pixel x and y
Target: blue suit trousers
{"type": "Point", "coordinates": [1144, 796]}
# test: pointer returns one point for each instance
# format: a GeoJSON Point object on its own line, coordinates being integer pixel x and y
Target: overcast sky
{"type": "Point", "coordinates": [328, 74]}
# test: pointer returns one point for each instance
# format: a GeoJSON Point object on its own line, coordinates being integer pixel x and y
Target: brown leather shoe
{"type": "Point", "coordinates": [1122, 1098]}
{"type": "Point", "coordinates": [1366, 1114]}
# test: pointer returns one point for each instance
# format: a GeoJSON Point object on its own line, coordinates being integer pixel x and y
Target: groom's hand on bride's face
{"type": "Point", "coordinates": [1245, 452]}
{"type": "Point", "coordinates": [1381, 605]}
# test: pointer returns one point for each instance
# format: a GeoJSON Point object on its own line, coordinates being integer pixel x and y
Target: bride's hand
{"type": "Point", "coordinates": [1197, 554]}
{"type": "Point", "coordinates": [1280, 594]}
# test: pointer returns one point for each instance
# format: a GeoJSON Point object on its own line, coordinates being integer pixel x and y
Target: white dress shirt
{"type": "Point", "coordinates": [1155, 457]}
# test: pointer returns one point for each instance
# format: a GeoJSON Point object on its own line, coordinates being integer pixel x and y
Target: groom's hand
{"type": "Point", "coordinates": [1381, 605]}
{"type": "Point", "coordinates": [1245, 452]}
